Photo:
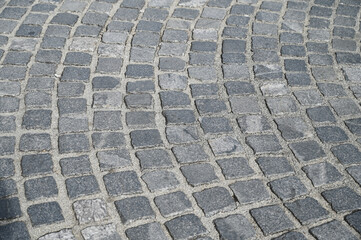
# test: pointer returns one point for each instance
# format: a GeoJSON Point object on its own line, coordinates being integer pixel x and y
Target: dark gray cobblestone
{"type": "Point", "coordinates": [187, 119]}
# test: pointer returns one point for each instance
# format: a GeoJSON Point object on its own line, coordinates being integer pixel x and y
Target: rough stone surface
{"type": "Point", "coordinates": [271, 219]}
{"type": "Point", "coordinates": [188, 118]}
{"type": "Point", "coordinates": [92, 210]}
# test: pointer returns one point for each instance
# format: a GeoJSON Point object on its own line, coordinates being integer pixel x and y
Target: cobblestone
{"type": "Point", "coordinates": [173, 203]}
{"type": "Point", "coordinates": [45, 213]}
{"type": "Point", "coordinates": [188, 118]}
{"type": "Point", "coordinates": [271, 219]}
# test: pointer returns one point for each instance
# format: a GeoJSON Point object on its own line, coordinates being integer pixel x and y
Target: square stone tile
{"type": "Point", "coordinates": [353, 220]}
{"type": "Point", "coordinates": [234, 227]}
{"type": "Point", "coordinates": [198, 174]}
{"type": "Point", "coordinates": [15, 230]}
{"type": "Point", "coordinates": [331, 134]}
{"type": "Point", "coordinates": [190, 153]}
{"type": "Point", "coordinates": [31, 165]}
{"type": "Point", "coordinates": [113, 159]}
{"type": "Point", "coordinates": [147, 231]}
{"type": "Point", "coordinates": [81, 186]}
{"type": "Point", "coordinates": [75, 165]}
{"type": "Point", "coordinates": [321, 114]}
{"type": "Point", "coordinates": [103, 140]}
{"type": "Point", "coordinates": [346, 153]}
{"type": "Point", "coordinates": [253, 123]}
{"type": "Point", "coordinates": [250, 191]}
{"type": "Point", "coordinates": [354, 126]}
{"type": "Point", "coordinates": [264, 143]}
{"type": "Point", "coordinates": [332, 230]}
{"type": "Point", "coordinates": [281, 105]}
{"type": "Point", "coordinates": [214, 200]}
{"type": "Point", "coordinates": [40, 188]}
{"type": "Point", "coordinates": [271, 219]}
{"type": "Point", "coordinates": [342, 199]}
{"type": "Point", "coordinates": [154, 159]}
{"type": "Point", "coordinates": [288, 187]}
{"type": "Point", "coordinates": [173, 203]}
{"type": "Point", "coordinates": [182, 134]}
{"type": "Point", "coordinates": [8, 187]}
{"type": "Point", "coordinates": [108, 231]}
{"type": "Point", "coordinates": [215, 125]}
{"type": "Point", "coordinates": [274, 165]}
{"type": "Point", "coordinates": [322, 173]}
{"type": "Point", "coordinates": [90, 210]}
{"type": "Point", "coordinates": [186, 227]}
{"type": "Point", "coordinates": [307, 150]}
{"type": "Point", "coordinates": [45, 213]}
{"type": "Point", "coordinates": [145, 138]}
{"type": "Point", "coordinates": [225, 146]}
{"type": "Point", "coordinates": [210, 106]}
{"type": "Point", "coordinates": [122, 183]}
{"type": "Point", "coordinates": [244, 104]}
{"type": "Point", "coordinates": [355, 172]}
{"type": "Point", "coordinates": [7, 168]}
{"type": "Point", "coordinates": [344, 106]}
{"type": "Point", "coordinates": [293, 127]}
{"type": "Point", "coordinates": [236, 167]}
{"type": "Point", "coordinates": [307, 210]}
{"type": "Point", "coordinates": [134, 208]}
{"type": "Point", "coordinates": [160, 180]}
{"type": "Point", "coordinates": [10, 208]}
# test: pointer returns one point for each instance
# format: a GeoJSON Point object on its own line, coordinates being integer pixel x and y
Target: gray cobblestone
{"type": "Point", "coordinates": [45, 213]}
{"type": "Point", "coordinates": [214, 200]}
{"type": "Point", "coordinates": [332, 229]}
{"type": "Point", "coordinates": [7, 188]}
{"type": "Point", "coordinates": [7, 168]}
{"type": "Point", "coordinates": [75, 165]}
{"type": "Point", "coordinates": [288, 187]}
{"type": "Point", "coordinates": [80, 186]}
{"type": "Point", "coordinates": [307, 150]}
{"type": "Point", "coordinates": [92, 210]}
{"type": "Point", "coordinates": [274, 165]}
{"type": "Point", "coordinates": [62, 234]}
{"type": "Point", "coordinates": [15, 230]}
{"type": "Point", "coordinates": [186, 226]}
{"type": "Point", "coordinates": [322, 173]}
{"type": "Point", "coordinates": [40, 188]}
{"type": "Point", "coordinates": [7, 124]}
{"type": "Point", "coordinates": [235, 167]}
{"type": "Point", "coordinates": [134, 208]}
{"type": "Point", "coordinates": [122, 183]}
{"type": "Point", "coordinates": [197, 174]}
{"type": "Point", "coordinates": [173, 203]}
{"type": "Point", "coordinates": [352, 219]}
{"type": "Point", "coordinates": [160, 180]}
{"type": "Point", "coordinates": [229, 227]}
{"type": "Point", "coordinates": [170, 98]}
{"type": "Point", "coordinates": [146, 231]}
{"type": "Point", "coordinates": [264, 143]}
{"type": "Point", "coordinates": [271, 219]}
{"type": "Point", "coordinates": [73, 143]}
{"type": "Point", "coordinates": [157, 158]}
{"type": "Point", "coordinates": [113, 159]}
{"type": "Point", "coordinates": [199, 90]}
{"type": "Point", "coordinates": [346, 153]}
{"type": "Point", "coordinates": [108, 231]}
{"type": "Point", "coordinates": [250, 191]}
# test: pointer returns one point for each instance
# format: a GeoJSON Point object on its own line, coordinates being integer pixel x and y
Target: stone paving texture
{"type": "Point", "coordinates": [180, 119]}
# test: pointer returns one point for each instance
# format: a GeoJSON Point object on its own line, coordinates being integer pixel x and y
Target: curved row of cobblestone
{"type": "Point", "coordinates": [187, 119]}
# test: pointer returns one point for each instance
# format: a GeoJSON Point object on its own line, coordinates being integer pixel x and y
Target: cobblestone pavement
{"type": "Point", "coordinates": [180, 119]}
